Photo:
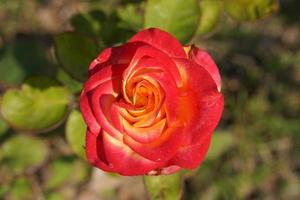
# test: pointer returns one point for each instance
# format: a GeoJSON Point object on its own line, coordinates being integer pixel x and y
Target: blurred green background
{"type": "Point", "coordinates": [46, 46]}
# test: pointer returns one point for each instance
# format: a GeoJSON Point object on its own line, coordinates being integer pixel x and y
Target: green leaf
{"type": "Point", "coordinates": [21, 190]}
{"type": "Point", "coordinates": [129, 17]}
{"type": "Point", "coordinates": [113, 33]}
{"type": "Point", "coordinates": [11, 71]}
{"type": "Point", "coordinates": [3, 127]}
{"type": "Point", "coordinates": [80, 172]}
{"type": "Point", "coordinates": [73, 85]}
{"type": "Point", "coordinates": [59, 172]}
{"type": "Point", "coordinates": [75, 52]}
{"type": "Point", "coordinates": [20, 153]}
{"type": "Point", "coordinates": [220, 143]}
{"type": "Point", "coordinates": [245, 10]}
{"type": "Point", "coordinates": [36, 61]}
{"type": "Point", "coordinates": [75, 133]}
{"type": "Point", "coordinates": [38, 105]}
{"type": "Point", "coordinates": [17, 62]}
{"type": "Point", "coordinates": [210, 12]}
{"type": "Point", "coordinates": [179, 17]}
{"type": "Point", "coordinates": [108, 28]}
{"type": "Point", "coordinates": [89, 23]}
{"type": "Point", "coordinates": [65, 170]}
{"type": "Point", "coordinates": [3, 190]}
{"type": "Point", "coordinates": [54, 196]}
{"type": "Point", "coordinates": [164, 187]}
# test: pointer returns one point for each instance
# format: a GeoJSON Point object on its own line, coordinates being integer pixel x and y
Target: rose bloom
{"type": "Point", "coordinates": [150, 106]}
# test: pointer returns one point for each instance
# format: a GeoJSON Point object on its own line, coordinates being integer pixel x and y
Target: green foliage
{"type": "Point", "coordinates": [54, 196]}
{"type": "Point", "coordinates": [71, 84]}
{"type": "Point", "coordinates": [89, 23]}
{"type": "Point", "coordinates": [35, 61]}
{"type": "Point", "coordinates": [65, 170]}
{"type": "Point", "coordinates": [244, 10]}
{"type": "Point", "coordinates": [11, 71]}
{"type": "Point", "coordinates": [168, 187]}
{"type": "Point", "coordinates": [21, 190]}
{"type": "Point", "coordinates": [17, 62]}
{"type": "Point", "coordinates": [108, 28]}
{"type": "Point", "coordinates": [210, 13]}
{"type": "Point", "coordinates": [26, 108]}
{"type": "Point", "coordinates": [75, 52]}
{"type": "Point", "coordinates": [3, 190]}
{"type": "Point", "coordinates": [3, 127]}
{"type": "Point", "coordinates": [179, 17]}
{"type": "Point", "coordinates": [130, 18]}
{"type": "Point", "coordinates": [21, 153]}
{"type": "Point", "coordinates": [75, 133]}
{"type": "Point", "coordinates": [59, 172]}
{"type": "Point", "coordinates": [220, 143]}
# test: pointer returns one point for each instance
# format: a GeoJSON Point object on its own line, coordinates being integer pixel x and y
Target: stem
{"type": "Point", "coordinates": [164, 187]}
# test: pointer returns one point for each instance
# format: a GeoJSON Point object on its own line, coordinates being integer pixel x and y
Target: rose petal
{"type": "Point", "coordinates": [204, 106]}
{"type": "Point", "coordinates": [116, 117]}
{"type": "Point", "coordinates": [88, 114]}
{"type": "Point", "coordinates": [171, 94]}
{"type": "Point", "coordinates": [95, 152]}
{"type": "Point", "coordinates": [190, 157]}
{"type": "Point", "coordinates": [144, 135]}
{"type": "Point", "coordinates": [166, 63]}
{"type": "Point", "coordinates": [161, 40]}
{"type": "Point", "coordinates": [198, 133]}
{"type": "Point", "coordinates": [103, 57]}
{"type": "Point", "coordinates": [114, 55]}
{"type": "Point", "coordinates": [166, 74]}
{"type": "Point", "coordinates": [208, 102]}
{"type": "Point", "coordinates": [123, 160]}
{"type": "Point", "coordinates": [101, 101]}
{"type": "Point", "coordinates": [203, 59]}
{"type": "Point", "coordinates": [109, 72]}
{"type": "Point", "coordinates": [210, 113]}
{"type": "Point", "coordinates": [140, 118]}
{"type": "Point", "coordinates": [161, 150]}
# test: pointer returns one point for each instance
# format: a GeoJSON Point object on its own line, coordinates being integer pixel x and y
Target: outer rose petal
{"type": "Point", "coordinates": [104, 81]}
{"type": "Point", "coordinates": [211, 112]}
{"type": "Point", "coordinates": [95, 152]}
{"type": "Point", "coordinates": [107, 73]}
{"type": "Point", "coordinates": [207, 106]}
{"type": "Point", "coordinates": [203, 59]}
{"type": "Point", "coordinates": [161, 40]}
{"type": "Point", "coordinates": [114, 55]}
{"type": "Point", "coordinates": [190, 157]}
{"type": "Point", "coordinates": [88, 114]}
{"type": "Point", "coordinates": [101, 101]}
{"type": "Point", "coordinates": [125, 161]}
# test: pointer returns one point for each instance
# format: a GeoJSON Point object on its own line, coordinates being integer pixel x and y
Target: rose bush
{"type": "Point", "coordinates": [150, 105]}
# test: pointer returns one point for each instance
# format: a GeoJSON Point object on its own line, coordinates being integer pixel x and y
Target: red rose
{"type": "Point", "coordinates": [150, 105]}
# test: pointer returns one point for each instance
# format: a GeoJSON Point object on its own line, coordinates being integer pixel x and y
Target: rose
{"type": "Point", "coordinates": [150, 105]}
